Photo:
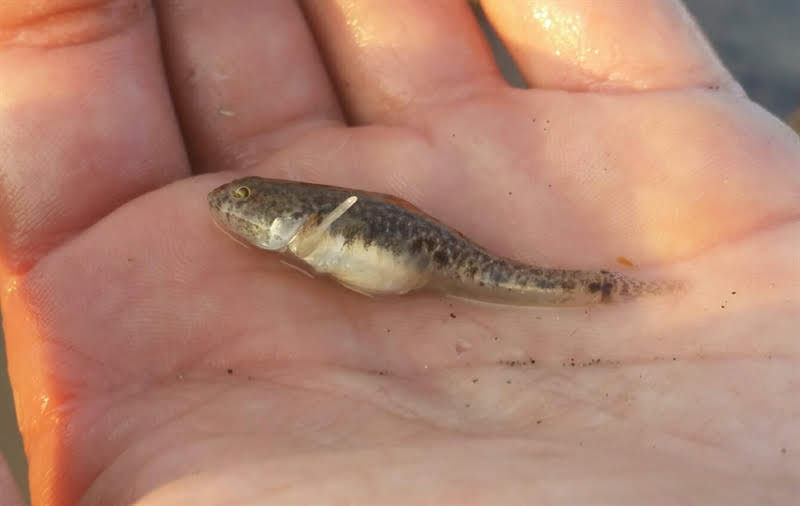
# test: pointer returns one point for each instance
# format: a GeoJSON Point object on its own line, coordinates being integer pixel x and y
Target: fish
{"type": "Point", "coordinates": [377, 244]}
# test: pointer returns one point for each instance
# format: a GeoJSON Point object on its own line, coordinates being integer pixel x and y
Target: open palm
{"type": "Point", "coordinates": [152, 356]}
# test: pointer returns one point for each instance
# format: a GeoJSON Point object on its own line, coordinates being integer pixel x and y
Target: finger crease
{"type": "Point", "coordinates": [78, 24]}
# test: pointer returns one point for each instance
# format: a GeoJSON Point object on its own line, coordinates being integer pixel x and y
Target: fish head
{"type": "Point", "coordinates": [259, 211]}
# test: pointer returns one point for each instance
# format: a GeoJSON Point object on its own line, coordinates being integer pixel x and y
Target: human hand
{"type": "Point", "coordinates": [152, 358]}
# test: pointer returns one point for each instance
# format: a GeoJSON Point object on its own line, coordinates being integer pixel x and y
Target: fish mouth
{"type": "Point", "coordinates": [216, 206]}
{"type": "Point", "coordinates": [227, 222]}
{"type": "Point", "coordinates": [220, 209]}
{"type": "Point", "coordinates": [215, 197]}
{"type": "Point", "coordinates": [228, 219]}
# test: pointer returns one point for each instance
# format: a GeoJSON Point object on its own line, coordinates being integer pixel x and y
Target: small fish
{"type": "Point", "coordinates": [377, 244]}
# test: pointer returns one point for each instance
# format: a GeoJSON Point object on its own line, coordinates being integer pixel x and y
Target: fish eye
{"type": "Point", "coordinates": [241, 192]}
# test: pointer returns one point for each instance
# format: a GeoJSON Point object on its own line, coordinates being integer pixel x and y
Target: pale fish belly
{"type": "Point", "coordinates": [369, 270]}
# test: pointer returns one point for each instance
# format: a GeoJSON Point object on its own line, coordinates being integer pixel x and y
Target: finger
{"type": "Point", "coordinates": [583, 45]}
{"type": "Point", "coordinates": [246, 77]}
{"type": "Point", "coordinates": [386, 56]}
{"type": "Point", "coordinates": [86, 121]}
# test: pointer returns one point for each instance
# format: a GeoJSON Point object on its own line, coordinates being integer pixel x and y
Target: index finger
{"type": "Point", "coordinates": [86, 121]}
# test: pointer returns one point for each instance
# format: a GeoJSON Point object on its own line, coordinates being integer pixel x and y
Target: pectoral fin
{"type": "Point", "coordinates": [312, 239]}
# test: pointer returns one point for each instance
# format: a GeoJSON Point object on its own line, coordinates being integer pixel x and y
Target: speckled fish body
{"type": "Point", "coordinates": [378, 244]}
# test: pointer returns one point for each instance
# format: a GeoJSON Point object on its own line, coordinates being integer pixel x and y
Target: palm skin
{"type": "Point", "coordinates": [153, 357]}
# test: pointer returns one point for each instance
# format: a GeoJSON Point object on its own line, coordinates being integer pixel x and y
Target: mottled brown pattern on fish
{"type": "Point", "coordinates": [453, 263]}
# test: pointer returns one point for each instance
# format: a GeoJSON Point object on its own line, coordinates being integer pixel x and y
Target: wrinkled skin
{"type": "Point", "coordinates": [154, 359]}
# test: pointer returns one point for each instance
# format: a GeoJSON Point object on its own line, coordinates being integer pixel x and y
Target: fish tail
{"type": "Point", "coordinates": [508, 282]}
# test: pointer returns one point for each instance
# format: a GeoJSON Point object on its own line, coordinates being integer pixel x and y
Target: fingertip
{"type": "Point", "coordinates": [622, 45]}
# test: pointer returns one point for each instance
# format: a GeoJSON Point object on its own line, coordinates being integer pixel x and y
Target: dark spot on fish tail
{"type": "Point", "coordinates": [607, 288]}
{"type": "Point", "coordinates": [545, 284]}
{"type": "Point", "coordinates": [604, 288]}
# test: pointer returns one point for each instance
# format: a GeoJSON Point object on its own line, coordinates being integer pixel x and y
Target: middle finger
{"type": "Point", "coordinates": [245, 76]}
{"type": "Point", "coordinates": [387, 57]}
